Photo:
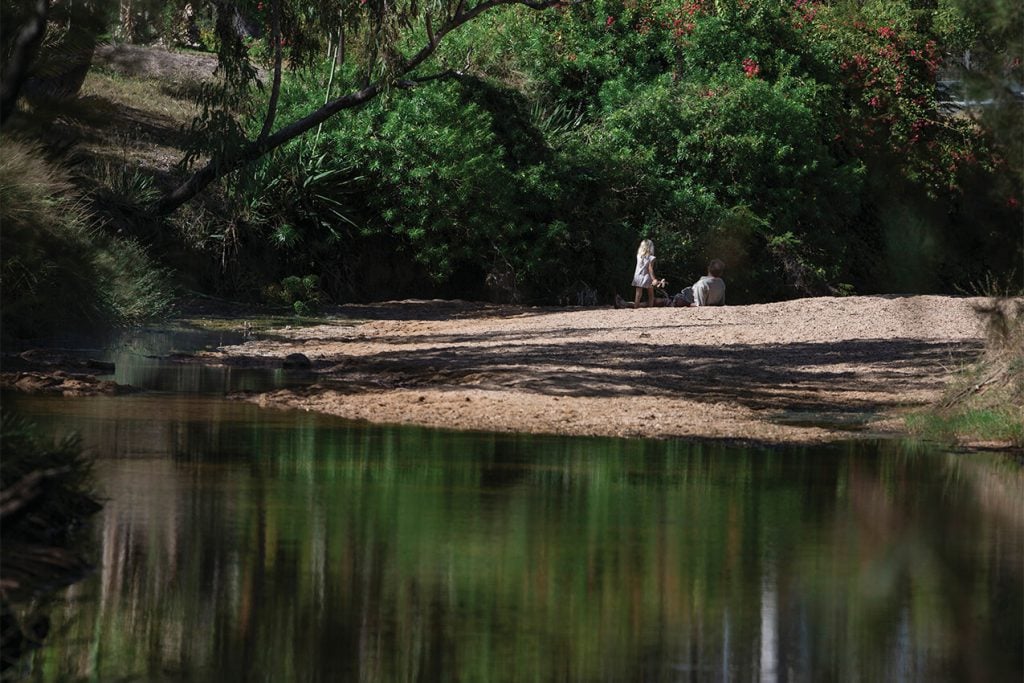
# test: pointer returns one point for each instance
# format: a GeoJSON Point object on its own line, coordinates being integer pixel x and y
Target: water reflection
{"type": "Point", "coordinates": [160, 359]}
{"type": "Point", "coordinates": [240, 544]}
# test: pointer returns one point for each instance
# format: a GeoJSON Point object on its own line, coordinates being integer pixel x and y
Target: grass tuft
{"type": "Point", "coordinates": [61, 272]}
{"type": "Point", "coordinates": [986, 402]}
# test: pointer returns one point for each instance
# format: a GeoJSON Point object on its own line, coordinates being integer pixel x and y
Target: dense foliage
{"type": "Point", "coordinates": [47, 493]}
{"type": "Point", "coordinates": [805, 142]}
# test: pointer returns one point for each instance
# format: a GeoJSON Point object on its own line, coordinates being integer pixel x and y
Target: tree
{"type": "Point", "coordinates": [47, 45]}
{"type": "Point", "coordinates": [989, 34]}
{"type": "Point", "coordinates": [24, 46]}
{"type": "Point", "coordinates": [385, 30]}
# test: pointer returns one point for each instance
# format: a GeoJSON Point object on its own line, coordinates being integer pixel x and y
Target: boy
{"type": "Point", "coordinates": [707, 291]}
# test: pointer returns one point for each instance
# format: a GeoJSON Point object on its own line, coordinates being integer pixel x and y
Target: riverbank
{"type": "Point", "coordinates": [802, 371]}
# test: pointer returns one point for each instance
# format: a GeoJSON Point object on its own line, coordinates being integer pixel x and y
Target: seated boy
{"type": "Point", "coordinates": [707, 291]}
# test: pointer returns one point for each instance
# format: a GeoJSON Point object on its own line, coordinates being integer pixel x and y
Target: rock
{"type": "Point", "coordinates": [295, 361]}
{"type": "Point", "coordinates": [59, 382]}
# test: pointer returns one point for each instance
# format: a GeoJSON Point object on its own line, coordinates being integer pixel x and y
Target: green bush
{"type": "Point", "coordinates": [301, 294]}
{"type": "Point", "coordinates": [70, 496]}
{"type": "Point", "coordinates": [801, 142]}
{"type": "Point", "coordinates": [44, 519]}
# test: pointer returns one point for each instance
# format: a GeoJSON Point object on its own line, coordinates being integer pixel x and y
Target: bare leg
{"type": "Point", "coordinates": [650, 298]}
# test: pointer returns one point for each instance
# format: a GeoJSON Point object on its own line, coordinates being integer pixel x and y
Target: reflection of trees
{"type": "Point", "coordinates": [303, 550]}
{"type": "Point", "coordinates": [913, 564]}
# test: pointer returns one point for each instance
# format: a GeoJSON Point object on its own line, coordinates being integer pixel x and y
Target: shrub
{"type": "Point", "coordinates": [986, 401]}
{"type": "Point", "coordinates": [800, 142]}
{"type": "Point", "coordinates": [61, 273]}
{"type": "Point", "coordinates": [301, 294]}
{"type": "Point", "coordinates": [48, 495]}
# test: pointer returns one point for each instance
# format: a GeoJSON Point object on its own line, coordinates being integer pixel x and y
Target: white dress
{"type": "Point", "coordinates": [642, 276]}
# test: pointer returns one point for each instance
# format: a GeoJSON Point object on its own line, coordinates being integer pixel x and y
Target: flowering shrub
{"type": "Point", "coordinates": [800, 141]}
{"type": "Point", "coordinates": [888, 73]}
{"type": "Point", "coordinates": [779, 113]}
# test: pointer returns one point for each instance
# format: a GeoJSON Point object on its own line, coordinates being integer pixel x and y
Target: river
{"type": "Point", "coordinates": [239, 543]}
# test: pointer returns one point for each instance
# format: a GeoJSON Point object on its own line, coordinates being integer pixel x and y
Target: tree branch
{"type": "Point", "coordinates": [218, 167]}
{"type": "Point", "coordinates": [275, 91]}
{"type": "Point", "coordinates": [407, 83]}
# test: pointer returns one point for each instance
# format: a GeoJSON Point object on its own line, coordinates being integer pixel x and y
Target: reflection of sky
{"type": "Point", "coordinates": [238, 542]}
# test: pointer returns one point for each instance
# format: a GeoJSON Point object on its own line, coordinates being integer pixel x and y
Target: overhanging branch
{"type": "Point", "coordinates": [218, 167]}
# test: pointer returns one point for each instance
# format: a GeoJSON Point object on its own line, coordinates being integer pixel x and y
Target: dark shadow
{"type": "Point", "coordinates": [431, 309]}
{"type": "Point", "coordinates": [106, 120]}
{"type": "Point", "coordinates": [839, 377]}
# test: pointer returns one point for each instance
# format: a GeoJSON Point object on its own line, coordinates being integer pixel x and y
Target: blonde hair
{"type": "Point", "coordinates": [646, 249]}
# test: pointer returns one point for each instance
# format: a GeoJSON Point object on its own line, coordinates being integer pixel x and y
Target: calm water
{"type": "Point", "coordinates": [159, 359]}
{"type": "Point", "coordinates": [244, 544]}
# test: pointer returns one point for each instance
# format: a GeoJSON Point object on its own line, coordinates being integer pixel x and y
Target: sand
{"type": "Point", "coordinates": [802, 371]}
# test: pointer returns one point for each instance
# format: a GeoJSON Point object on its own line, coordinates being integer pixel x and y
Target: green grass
{"type": "Point", "coordinates": [985, 403]}
{"type": "Point", "coordinates": [971, 426]}
{"type": "Point", "coordinates": [160, 98]}
{"type": "Point", "coordinates": [61, 271]}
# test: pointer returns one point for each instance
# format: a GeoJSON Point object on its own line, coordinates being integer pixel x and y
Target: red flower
{"type": "Point", "coordinates": [609, 21]}
{"type": "Point", "coordinates": [1012, 202]}
{"type": "Point", "coordinates": [751, 67]}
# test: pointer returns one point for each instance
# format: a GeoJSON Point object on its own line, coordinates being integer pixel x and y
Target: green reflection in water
{"type": "Point", "coordinates": [160, 359]}
{"type": "Point", "coordinates": [242, 544]}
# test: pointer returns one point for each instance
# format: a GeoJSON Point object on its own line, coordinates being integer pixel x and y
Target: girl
{"type": "Point", "coordinates": [644, 277]}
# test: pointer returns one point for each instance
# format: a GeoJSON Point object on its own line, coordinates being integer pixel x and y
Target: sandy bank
{"type": "Point", "coordinates": [795, 371]}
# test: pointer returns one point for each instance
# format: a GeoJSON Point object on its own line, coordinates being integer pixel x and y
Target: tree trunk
{"type": "Point", "coordinates": [24, 51]}
{"type": "Point", "coordinates": [127, 21]}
